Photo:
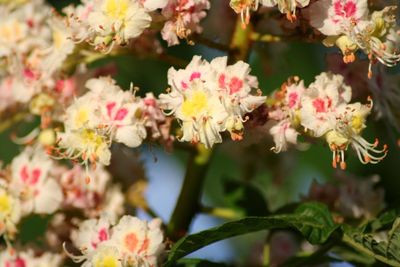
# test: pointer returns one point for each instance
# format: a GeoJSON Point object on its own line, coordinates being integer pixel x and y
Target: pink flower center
{"type": "Point", "coordinates": [30, 178]}
{"type": "Point", "coordinates": [195, 75]}
{"type": "Point", "coordinates": [293, 97]}
{"type": "Point", "coordinates": [347, 10]}
{"type": "Point", "coordinates": [119, 115]}
{"type": "Point", "coordinates": [103, 235]}
{"type": "Point", "coordinates": [235, 84]}
{"type": "Point", "coordinates": [17, 263]}
{"type": "Point", "coordinates": [150, 102]}
{"type": "Point", "coordinates": [319, 105]}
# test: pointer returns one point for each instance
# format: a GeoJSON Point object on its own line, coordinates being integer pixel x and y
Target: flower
{"type": "Point", "coordinates": [235, 84]}
{"type": "Point", "coordinates": [140, 242]}
{"type": "Point", "coordinates": [132, 242]}
{"type": "Point", "coordinates": [183, 18]}
{"type": "Point", "coordinates": [209, 98]}
{"type": "Point", "coordinates": [333, 17]}
{"type": "Point", "coordinates": [31, 181]}
{"type": "Point", "coordinates": [105, 23]}
{"type": "Point", "coordinates": [323, 111]}
{"type": "Point", "coordinates": [91, 234]}
{"type": "Point", "coordinates": [60, 48]}
{"type": "Point", "coordinates": [321, 100]}
{"type": "Point", "coordinates": [349, 26]}
{"type": "Point", "coordinates": [285, 114]}
{"type": "Point", "coordinates": [102, 115]}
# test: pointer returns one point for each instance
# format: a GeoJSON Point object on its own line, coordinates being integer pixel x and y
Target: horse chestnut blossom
{"type": "Point", "coordinates": [31, 180]}
{"type": "Point", "coordinates": [209, 98]}
{"type": "Point", "coordinates": [105, 23]}
{"type": "Point", "coordinates": [94, 120]}
{"type": "Point", "coordinates": [29, 259]}
{"type": "Point", "coordinates": [95, 198]}
{"type": "Point", "coordinates": [323, 111]}
{"type": "Point", "coordinates": [349, 26]}
{"type": "Point", "coordinates": [183, 18]}
{"type": "Point", "coordinates": [285, 114]}
{"type": "Point", "coordinates": [131, 242]}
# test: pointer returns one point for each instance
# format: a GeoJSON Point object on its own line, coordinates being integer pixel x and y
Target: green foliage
{"type": "Point", "coordinates": [313, 220]}
{"type": "Point", "coordinates": [386, 251]}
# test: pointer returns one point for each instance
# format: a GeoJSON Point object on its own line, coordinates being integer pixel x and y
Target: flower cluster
{"type": "Point", "coordinates": [323, 111]}
{"type": "Point", "coordinates": [33, 46]}
{"type": "Point", "coordinates": [131, 242]}
{"type": "Point", "coordinates": [105, 23]}
{"type": "Point", "coordinates": [349, 25]}
{"type": "Point", "coordinates": [209, 98]}
{"type": "Point", "coordinates": [102, 115]}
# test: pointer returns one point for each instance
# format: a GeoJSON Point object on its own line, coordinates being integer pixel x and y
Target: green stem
{"type": "Point", "coordinates": [188, 203]}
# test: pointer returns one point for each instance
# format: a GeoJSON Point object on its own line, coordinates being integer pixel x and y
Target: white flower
{"type": "Point", "coordinates": [333, 17]}
{"type": "Point", "coordinates": [200, 112]}
{"type": "Point", "coordinates": [139, 242]}
{"type": "Point", "coordinates": [104, 23]}
{"type": "Point", "coordinates": [283, 135]}
{"type": "Point", "coordinates": [94, 120]}
{"type": "Point", "coordinates": [209, 98]}
{"type": "Point", "coordinates": [183, 19]}
{"type": "Point", "coordinates": [81, 194]}
{"type": "Point", "coordinates": [10, 212]}
{"type": "Point", "coordinates": [320, 102]}
{"type": "Point", "coordinates": [30, 179]}
{"type": "Point", "coordinates": [285, 105]}
{"type": "Point", "coordinates": [234, 84]}
{"type": "Point", "coordinates": [347, 131]}
{"type": "Point", "coordinates": [91, 234]}
{"type": "Point", "coordinates": [61, 46]}
{"type": "Point", "coordinates": [131, 242]}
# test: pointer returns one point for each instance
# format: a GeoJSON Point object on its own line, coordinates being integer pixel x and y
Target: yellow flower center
{"type": "Point", "coordinates": [357, 123]}
{"type": "Point", "coordinates": [5, 204]}
{"type": "Point", "coordinates": [91, 137]}
{"type": "Point", "coordinates": [82, 116]}
{"type": "Point", "coordinates": [58, 39]}
{"type": "Point", "coordinates": [107, 261]}
{"type": "Point", "coordinates": [116, 9]}
{"type": "Point", "coordinates": [195, 105]}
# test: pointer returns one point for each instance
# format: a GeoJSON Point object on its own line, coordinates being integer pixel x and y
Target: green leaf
{"type": "Point", "coordinates": [393, 246]}
{"type": "Point", "coordinates": [245, 198]}
{"type": "Point", "coordinates": [387, 252]}
{"type": "Point", "coordinates": [383, 220]}
{"type": "Point", "coordinates": [313, 220]}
